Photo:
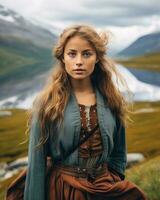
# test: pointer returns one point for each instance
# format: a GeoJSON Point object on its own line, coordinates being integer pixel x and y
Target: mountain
{"type": "Point", "coordinates": [25, 54]}
{"type": "Point", "coordinates": [144, 45]}
{"type": "Point", "coordinates": [15, 25]}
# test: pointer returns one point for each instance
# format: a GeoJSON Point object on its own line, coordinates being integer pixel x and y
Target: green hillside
{"type": "Point", "coordinates": [11, 61]}
{"type": "Point", "coordinates": [22, 59]}
{"type": "Point", "coordinates": [147, 61]}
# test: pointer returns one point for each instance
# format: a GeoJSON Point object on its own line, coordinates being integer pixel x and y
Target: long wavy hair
{"type": "Point", "coordinates": [50, 104]}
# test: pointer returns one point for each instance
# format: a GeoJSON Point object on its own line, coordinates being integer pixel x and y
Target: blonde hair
{"type": "Point", "coordinates": [50, 103]}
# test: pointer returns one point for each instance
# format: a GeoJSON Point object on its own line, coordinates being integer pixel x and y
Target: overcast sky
{"type": "Point", "coordinates": [126, 20]}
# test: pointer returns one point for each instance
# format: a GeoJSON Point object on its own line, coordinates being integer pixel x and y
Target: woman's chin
{"type": "Point", "coordinates": [79, 77]}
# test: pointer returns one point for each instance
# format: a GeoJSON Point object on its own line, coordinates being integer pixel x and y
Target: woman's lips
{"type": "Point", "coordinates": [79, 70]}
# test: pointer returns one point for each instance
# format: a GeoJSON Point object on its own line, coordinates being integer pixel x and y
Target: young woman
{"type": "Point", "coordinates": [80, 97]}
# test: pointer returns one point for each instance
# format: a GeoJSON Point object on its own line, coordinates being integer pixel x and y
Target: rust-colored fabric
{"type": "Point", "coordinates": [107, 186]}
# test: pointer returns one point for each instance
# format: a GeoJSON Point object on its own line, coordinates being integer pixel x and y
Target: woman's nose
{"type": "Point", "coordinates": [79, 60]}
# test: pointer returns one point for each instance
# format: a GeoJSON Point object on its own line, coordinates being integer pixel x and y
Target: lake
{"type": "Point", "coordinates": [146, 76]}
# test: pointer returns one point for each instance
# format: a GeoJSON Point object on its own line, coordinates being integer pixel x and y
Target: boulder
{"type": "Point", "coordinates": [133, 158]}
{"type": "Point", "coordinates": [12, 168]}
{"type": "Point", "coordinates": [3, 167]}
{"type": "Point", "coordinates": [5, 113]}
{"type": "Point", "coordinates": [21, 162]}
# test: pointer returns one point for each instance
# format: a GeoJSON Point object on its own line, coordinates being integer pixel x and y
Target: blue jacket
{"type": "Point", "coordinates": [65, 137]}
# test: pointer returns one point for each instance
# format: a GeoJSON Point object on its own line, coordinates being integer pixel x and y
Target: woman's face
{"type": "Point", "coordinates": [79, 58]}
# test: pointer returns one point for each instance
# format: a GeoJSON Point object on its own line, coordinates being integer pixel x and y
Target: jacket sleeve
{"type": "Point", "coordinates": [118, 157]}
{"type": "Point", "coordinates": [35, 178]}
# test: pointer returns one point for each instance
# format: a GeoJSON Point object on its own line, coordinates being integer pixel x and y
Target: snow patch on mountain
{"type": "Point", "coordinates": [7, 18]}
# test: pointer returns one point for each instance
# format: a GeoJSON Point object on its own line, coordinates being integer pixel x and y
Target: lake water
{"type": "Point", "coordinates": [146, 76]}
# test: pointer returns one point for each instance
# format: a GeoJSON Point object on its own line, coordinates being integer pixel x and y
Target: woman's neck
{"type": "Point", "coordinates": [82, 86]}
{"type": "Point", "coordinates": [84, 92]}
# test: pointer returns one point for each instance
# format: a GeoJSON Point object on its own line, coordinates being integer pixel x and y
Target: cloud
{"type": "Point", "coordinates": [115, 12]}
{"type": "Point", "coordinates": [126, 19]}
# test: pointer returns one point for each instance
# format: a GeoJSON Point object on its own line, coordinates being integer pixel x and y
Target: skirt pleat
{"type": "Point", "coordinates": [105, 187]}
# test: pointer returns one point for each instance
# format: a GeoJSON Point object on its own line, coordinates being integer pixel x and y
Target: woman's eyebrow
{"type": "Point", "coordinates": [88, 50]}
{"type": "Point", "coordinates": [82, 51]}
{"type": "Point", "coordinates": [72, 50]}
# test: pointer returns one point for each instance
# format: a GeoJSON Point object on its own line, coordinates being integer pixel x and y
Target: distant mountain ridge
{"type": "Point", "coordinates": [146, 44]}
{"type": "Point", "coordinates": [25, 54]}
{"type": "Point", "coordinates": [13, 24]}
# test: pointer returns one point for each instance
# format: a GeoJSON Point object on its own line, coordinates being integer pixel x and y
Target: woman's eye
{"type": "Point", "coordinates": [71, 54]}
{"type": "Point", "coordinates": [87, 54]}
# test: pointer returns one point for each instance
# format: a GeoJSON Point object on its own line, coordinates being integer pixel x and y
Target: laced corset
{"type": "Point", "coordinates": [91, 150]}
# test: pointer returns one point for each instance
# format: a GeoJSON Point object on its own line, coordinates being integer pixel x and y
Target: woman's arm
{"type": "Point", "coordinates": [35, 179]}
{"type": "Point", "coordinates": [121, 176]}
{"type": "Point", "coordinates": [118, 158]}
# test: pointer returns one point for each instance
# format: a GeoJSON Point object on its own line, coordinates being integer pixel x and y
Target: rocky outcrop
{"type": "Point", "coordinates": [5, 113]}
{"type": "Point", "coordinates": [133, 158]}
{"type": "Point", "coordinates": [8, 170]}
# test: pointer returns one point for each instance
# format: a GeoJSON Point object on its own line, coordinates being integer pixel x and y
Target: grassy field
{"type": "Point", "coordinates": [147, 177]}
{"type": "Point", "coordinates": [12, 130]}
{"type": "Point", "coordinates": [148, 62]}
{"type": "Point", "coordinates": [143, 135]}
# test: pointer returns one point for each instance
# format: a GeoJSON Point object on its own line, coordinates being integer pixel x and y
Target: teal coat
{"type": "Point", "coordinates": [65, 137]}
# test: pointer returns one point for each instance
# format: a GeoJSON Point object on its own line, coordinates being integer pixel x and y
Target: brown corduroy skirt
{"type": "Point", "coordinates": [107, 186]}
